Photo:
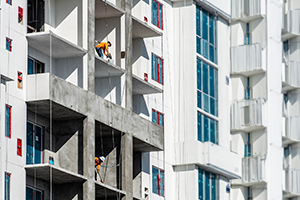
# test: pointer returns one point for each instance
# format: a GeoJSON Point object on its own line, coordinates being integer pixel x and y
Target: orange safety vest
{"type": "Point", "coordinates": [104, 46]}
{"type": "Point", "coordinates": [97, 163]}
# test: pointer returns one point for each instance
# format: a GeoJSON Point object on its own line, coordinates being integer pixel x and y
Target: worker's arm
{"type": "Point", "coordinates": [106, 49]}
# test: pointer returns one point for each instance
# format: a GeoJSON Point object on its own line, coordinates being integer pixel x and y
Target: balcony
{"type": "Point", "coordinates": [292, 130]}
{"type": "Point", "coordinates": [247, 60]}
{"type": "Point", "coordinates": [292, 183]}
{"type": "Point", "coordinates": [291, 76]}
{"type": "Point", "coordinates": [290, 25]}
{"type": "Point", "coordinates": [247, 10]}
{"type": "Point", "coordinates": [47, 88]}
{"type": "Point", "coordinates": [141, 29]}
{"type": "Point", "coordinates": [210, 157]}
{"type": "Point", "coordinates": [248, 115]}
{"type": "Point", "coordinates": [253, 172]}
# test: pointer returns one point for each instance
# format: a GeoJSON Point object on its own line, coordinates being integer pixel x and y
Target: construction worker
{"type": "Point", "coordinates": [98, 162]}
{"type": "Point", "coordinates": [102, 47]}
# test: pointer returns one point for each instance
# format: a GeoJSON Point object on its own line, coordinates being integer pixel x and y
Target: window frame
{"type": "Point", "coordinates": [157, 15]}
{"type": "Point", "coordinates": [33, 143]}
{"type": "Point", "coordinates": [201, 129]}
{"type": "Point", "coordinates": [158, 119]}
{"type": "Point", "coordinates": [199, 37]}
{"type": "Point", "coordinates": [248, 147]}
{"type": "Point", "coordinates": [10, 44]}
{"type": "Point", "coordinates": [9, 179]}
{"type": "Point", "coordinates": [9, 131]}
{"type": "Point", "coordinates": [157, 69]}
{"type": "Point", "coordinates": [160, 171]}
{"type": "Point", "coordinates": [34, 190]}
{"type": "Point", "coordinates": [34, 69]}
{"type": "Point", "coordinates": [204, 176]}
{"type": "Point", "coordinates": [247, 35]}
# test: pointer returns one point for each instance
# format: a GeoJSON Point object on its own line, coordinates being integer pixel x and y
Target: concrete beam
{"type": "Point", "coordinates": [127, 165]}
{"type": "Point", "coordinates": [91, 47]}
{"type": "Point", "coordinates": [88, 104]}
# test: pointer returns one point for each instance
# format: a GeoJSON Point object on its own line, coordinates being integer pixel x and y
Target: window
{"type": "Point", "coordinates": [8, 44]}
{"type": "Point", "coordinates": [20, 80]}
{"type": "Point", "coordinates": [20, 15]}
{"type": "Point", "coordinates": [207, 88]}
{"type": "Point", "coordinates": [19, 147]}
{"type": "Point", "coordinates": [8, 121]}
{"type": "Point", "coordinates": [35, 16]}
{"type": "Point", "coordinates": [158, 118]}
{"type": "Point", "coordinates": [207, 185]}
{"type": "Point", "coordinates": [247, 35]}
{"type": "Point", "coordinates": [7, 186]}
{"type": "Point", "coordinates": [207, 129]}
{"type": "Point", "coordinates": [33, 193]}
{"type": "Point", "coordinates": [35, 66]}
{"type": "Point", "coordinates": [247, 90]}
{"type": "Point", "coordinates": [249, 193]}
{"type": "Point", "coordinates": [158, 180]}
{"type": "Point", "coordinates": [246, 116]}
{"type": "Point", "coordinates": [34, 144]}
{"type": "Point", "coordinates": [248, 146]}
{"type": "Point", "coordinates": [206, 34]}
{"type": "Point", "coordinates": [157, 14]}
{"type": "Point", "coordinates": [157, 69]}
{"type": "Point", "coordinates": [9, 2]}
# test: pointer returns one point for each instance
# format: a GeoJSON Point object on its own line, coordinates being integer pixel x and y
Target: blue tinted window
{"type": "Point", "coordinates": [205, 78]}
{"type": "Point", "coordinates": [157, 14]}
{"type": "Point", "coordinates": [205, 103]}
{"type": "Point", "coordinates": [7, 121]}
{"type": "Point", "coordinates": [205, 48]}
{"type": "Point", "coordinates": [198, 45]}
{"type": "Point", "coordinates": [213, 187]}
{"type": "Point", "coordinates": [154, 117]}
{"type": "Point", "coordinates": [154, 13]}
{"type": "Point", "coordinates": [211, 53]}
{"type": "Point", "coordinates": [207, 186]}
{"type": "Point", "coordinates": [212, 106]}
{"type": "Point", "coordinates": [200, 184]}
{"type": "Point", "coordinates": [7, 187]}
{"type": "Point", "coordinates": [198, 74]}
{"type": "Point", "coordinates": [161, 119]}
{"type": "Point", "coordinates": [211, 81]}
{"type": "Point", "coordinates": [8, 44]}
{"type": "Point", "coordinates": [157, 69]}
{"type": "Point", "coordinates": [30, 66]}
{"type": "Point", "coordinates": [199, 99]}
{"type": "Point", "coordinates": [200, 127]}
{"type": "Point", "coordinates": [206, 129]}
{"type": "Point", "coordinates": [160, 74]}
{"type": "Point", "coordinates": [161, 174]}
{"type": "Point", "coordinates": [155, 173]}
{"type": "Point", "coordinates": [160, 16]}
{"type": "Point", "coordinates": [211, 29]}
{"type": "Point", "coordinates": [212, 131]}
{"type": "Point", "coordinates": [204, 25]}
{"type": "Point", "coordinates": [198, 21]}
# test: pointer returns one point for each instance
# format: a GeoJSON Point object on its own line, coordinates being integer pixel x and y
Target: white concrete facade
{"type": "Point", "coordinates": [255, 153]}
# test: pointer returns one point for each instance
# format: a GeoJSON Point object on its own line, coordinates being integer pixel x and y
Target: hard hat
{"type": "Point", "coordinates": [102, 158]}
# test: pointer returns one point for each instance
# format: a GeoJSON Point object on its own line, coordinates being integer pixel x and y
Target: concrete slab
{"type": "Point", "coordinates": [140, 86]}
{"type": "Point", "coordinates": [103, 190]}
{"type": "Point", "coordinates": [87, 103]}
{"type": "Point", "coordinates": [111, 10]}
{"type": "Point", "coordinates": [59, 175]}
{"type": "Point", "coordinates": [60, 47]}
{"type": "Point", "coordinates": [142, 30]}
{"type": "Point", "coordinates": [104, 68]}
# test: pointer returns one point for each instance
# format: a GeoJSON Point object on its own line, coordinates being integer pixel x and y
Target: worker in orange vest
{"type": "Point", "coordinates": [98, 162]}
{"type": "Point", "coordinates": [102, 47]}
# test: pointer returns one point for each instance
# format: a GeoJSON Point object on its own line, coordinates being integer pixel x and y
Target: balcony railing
{"type": "Point", "coordinates": [246, 8]}
{"type": "Point", "coordinates": [246, 59]}
{"type": "Point", "coordinates": [292, 73]}
{"type": "Point", "coordinates": [253, 169]}
{"type": "Point", "coordinates": [293, 181]}
{"type": "Point", "coordinates": [248, 114]}
{"type": "Point", "coordinates": [291, 22]}
{"type": "Point", "coordinates": [293, 131]}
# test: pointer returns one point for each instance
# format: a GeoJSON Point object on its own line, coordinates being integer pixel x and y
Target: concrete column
{"type": "Point", "coordinates": [127, 167]}
{"type": "Point", "coordinates": [127, 5]}
{"type": "Point", "coordinates": [91, 48]}
{"type": "Point", "coordinates": [88, 157]}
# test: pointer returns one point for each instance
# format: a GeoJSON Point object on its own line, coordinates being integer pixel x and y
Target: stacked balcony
{"type": "Point", "coordinates": [247, 60]}
{"type": "Point", "coordinates": [248, 115]}
{"type": "Point", "coordinates": [290, 25]}
{"type": "Point", "coordinates": [247, 10]}
{"type": "Point", "coordinates": [291, 74]}
{"type": "Point", "coordinates": [292, 183]}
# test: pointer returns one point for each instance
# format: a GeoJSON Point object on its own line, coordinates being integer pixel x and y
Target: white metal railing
{"type": "Point", "coordinates": [294, 128]}
{"type": "Point", "coordinates": [291, 21]}
{"type": "Point", "coordinates": [246, 58]}
{"type": "Point", "coordinates": [245, 8]}
{"type": "Point", "coordinates": [293, 181]}
{"type": "Point", "coordinates": [292, 73]}
{"type": "Point", "coordinates": [253, 169]}
{"type": "Point", "coordinates": [247, 113]}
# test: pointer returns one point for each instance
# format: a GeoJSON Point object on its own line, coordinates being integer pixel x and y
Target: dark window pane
{"type": "Point", "coordinates": [29, 149]}
{"type": "Point", "coordinates": [161, 183]}
{"type": "Point", "coordinates": [160, 16]}
{"type": "Point", "coordinates": [211, 29]}
{"type": "Point", "coordinates": [154, 117]}
{"type": "Point", "coordinates": [30, 66]}
{"type": "Point", "coordinates": [198, 45]}
{"type": "Point", "coordinates": [29, 193]}
{"type": "Point", "coordinates": [212, 131]}
{"type": "Point", "coordinates": [200, 127]}
{"type": "Point", "coordinates": [207, 186]}
{"type": "Point", "coordinates": [7, 187]}
{"type": "Point", "coordinates": [198, 21]}
{"type": "Point", "coordinates": [199, 99]}
{"type": "Point", "coordinates": [161, 119]}
{"type": "Point", "coordinates": [38, 145]}
{"type": "Point", "coordinates": [205, 103]}
{"type": "Point", "coordinates": [206, 129]}
{"type": "Point", "coordinates": [155, 174]}
{"type": "Point", "coordinates": [213, 187]}
{"type": "Point", "coordinates": [160, 71]}
{"type": "Point", "coordinates": [198, 74]}
{"type": "Point", "coordinates": [200, 184]}
{"type": "Point", "coordinates": [205, 48]}
{"type": "Point", "coordinates": [211, 53]}
{"type": "Point", "coordinates": [211, 81]}
{"type": "Point", "coordinates": [7, 121]}
{"type": "Point", "coordinates": [205, 78]}
{"type": "Point", "coordinates": [212, 106]}
{"type": "Point", "coordinates": [204, 25]}
{"type": "Point", "coordinates": [154, 13]}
